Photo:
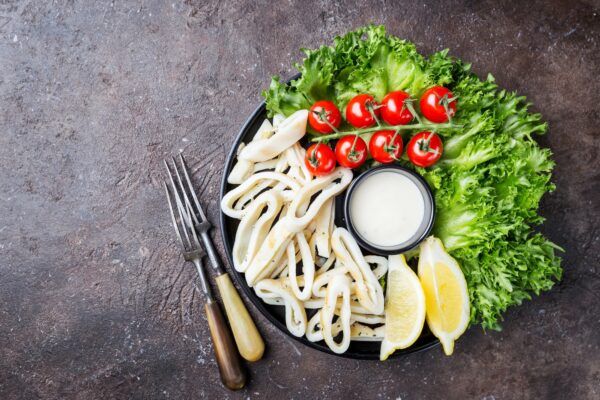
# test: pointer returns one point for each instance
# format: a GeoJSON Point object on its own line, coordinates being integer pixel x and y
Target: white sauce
{"type": "Point", "coordinates": [387, 208]}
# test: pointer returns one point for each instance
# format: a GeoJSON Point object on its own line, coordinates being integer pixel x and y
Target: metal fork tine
{"type": "Point", "coordinates": [173, 219]}
{"type": "Point", "coordinates": [186, 212]}
{"type": "Point", "coordinates": [184, 218]}
{"type": "Point", "coordinates": [190, 226]}
{"type": "Point", "coordinates": [175, 191]}
{"type": "Point", "coordinates": [184, 192]}
{"type": "Point", "coordinates": [183, 215]}
{"type": "Point", "coordinates": [191, 188]}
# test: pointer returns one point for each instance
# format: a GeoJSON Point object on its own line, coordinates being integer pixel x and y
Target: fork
{"type": "Point", "coordinates": [247, 338]}
{"type": "Point", "coordinates": [232, 374]}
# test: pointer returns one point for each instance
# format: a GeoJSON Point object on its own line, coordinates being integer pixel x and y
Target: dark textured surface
{"type": "Point", "coordinates": [94, 300]}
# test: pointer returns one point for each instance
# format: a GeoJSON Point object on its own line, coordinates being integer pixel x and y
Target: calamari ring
{"type": "Point", "coordinates": [382, 265]}
{"type": "Point", "coordinates": [326, 187]}
{"type": "Point", "coordinates": [247, 197]}
{"type": "Point", "coordinates": [232, 196]}
{"type": "Point", "coordinates": [339, 287]}
{"type": "Point", "coordinates": [295, 315]}
{"type": "Point", "coordinates": [319, 302]}
{"type": "Point", "coordinates": [358, 331]}
{"type": "Point", "coordinates": [308, 267]}
{"type": "Point", "coordinates": [367, 287]}
{"type": "Point", "coordinates": [324, 222]}
{"type": "Point", "coordinates": [244, 168]}
{"type": "Point", "coordinates": [254, 227]}
{"type": "Point", "coordinates": [295, 156]}
{"type": "Point", "coordinates": [323, 275]}
{"type": "Point", "coordinates": [287, 133]}
{"type": "Point", "coordinates": [270, 252]}
{"type": "Point", "coordinates": [319, 288]}
{"type": "Point", "coordinates": [364, 333]}
{"type": "Point", "coordinates": [267, 165]}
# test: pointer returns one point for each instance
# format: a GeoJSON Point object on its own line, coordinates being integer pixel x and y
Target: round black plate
{"type": "Point", "coordinates": [276, 314]}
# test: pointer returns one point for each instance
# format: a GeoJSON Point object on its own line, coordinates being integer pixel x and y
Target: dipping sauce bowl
{"type": "Point", "coordinates": [389, 209]}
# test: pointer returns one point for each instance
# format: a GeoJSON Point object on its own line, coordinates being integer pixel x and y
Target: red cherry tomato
{"type": "Point", "coordinates": [320, 159]}
{"type": "Point", "coordinates": [357, 111]}
{"type": "Point", "coordinates": [383, 148]}
{"type": "Point", "coordinates": [393, 110]}
{"type": "Point", "coordinates": [424, 149]}
{"type": "Point", "coordinates": [438, 104]}
{"type": "Point", "coordinates": [351, 151]}
{"type": "Point", "coordinates": [321, 112]}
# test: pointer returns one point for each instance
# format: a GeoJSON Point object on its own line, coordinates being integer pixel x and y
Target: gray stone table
{"type": "Point", "coordinates": [94, 300]}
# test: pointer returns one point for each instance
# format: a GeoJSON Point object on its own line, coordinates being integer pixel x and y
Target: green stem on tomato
{"type": "Point", "coordinates": [322, 115]}
{"type": "Point", "coordinates": [364, 131]}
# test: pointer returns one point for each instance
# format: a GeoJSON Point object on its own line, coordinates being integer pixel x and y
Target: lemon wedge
{"type": "Point", "coordinates": [404, 307]}
{"type": "Point", "coordinates": [446, 295]}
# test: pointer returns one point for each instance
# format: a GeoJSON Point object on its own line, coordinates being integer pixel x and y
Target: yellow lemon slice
{"type": "Point", "coordinates": [447, 298]}
{"type": "Point", "coordinates": [404, 307]}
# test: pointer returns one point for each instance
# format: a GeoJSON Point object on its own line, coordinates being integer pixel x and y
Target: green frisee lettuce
{"type": "Point", "coordinates": [490, 179]}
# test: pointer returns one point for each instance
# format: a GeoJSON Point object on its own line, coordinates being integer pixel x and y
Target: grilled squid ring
{"type": "Point", "coordinates": [280, 166]}
{"type": "Point", "coordinates": [319, 302]}
{"type": "Point", "coordinates": [368, 318]}
{"type": "Point", "coordinates": [324, 227]}
{"type": "Point", "coordinates": [326, 187]}
{"type": "Point", "coordinates": [254, 227]}
{"type": "Point", "coordinates": [270, 252]}
{"type": "Point", "coordinates": [367, 288]}
{"type": "Point", "coordinates": [339, 287]}
{"type": "Point", "coordinates": [319, 287]}
{"type": "Point", "coordinates": [267, 165]}
{"type": "Point", "coordinates": [308, 267]}
{"type": "Point", "coordinates": [382, 265]}
{"type": "Point", "coordinates": [244, 168]}
{"type": "Point", "coordinates": [235, 194]}
{"type": "Point", "coordinates": [324, 276]}
{"type": "Point", "coordinates": [295, 315]}
{"type": "Point", "coordinates": [364, 333]}
{"type": "Point", "coordinates": [295, 156]}
{"type": "Point", "coordinates": [313, 328]}
{"type": "Point", "coordinates": [282, 268]}
{"type": "Point", "coordinates": [327, 264]}
{"type": "Point", "coordinates": [358, 331]}
{"type": "Point", "coordinates": [287, 133]}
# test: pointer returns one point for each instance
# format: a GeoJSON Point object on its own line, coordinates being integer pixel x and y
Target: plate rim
{"type": "Point", "coordinates": [238, 277]}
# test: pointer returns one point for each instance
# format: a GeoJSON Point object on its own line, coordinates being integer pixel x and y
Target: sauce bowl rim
{"type": "Point", "coordinates": [403, 247]}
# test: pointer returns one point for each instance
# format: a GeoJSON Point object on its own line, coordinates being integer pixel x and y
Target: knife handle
{"type": "Point", "coordinates": [249, 342]}
{"type": "Point", "coordinates": [233, 375]}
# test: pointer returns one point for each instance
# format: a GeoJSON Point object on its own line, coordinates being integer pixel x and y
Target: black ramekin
{"type": "Point", "coordinates": [425, 227]}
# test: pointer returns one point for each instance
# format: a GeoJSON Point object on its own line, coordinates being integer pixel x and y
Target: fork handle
{"type": "Point", "coordinates": [249, 342]}
{"type": "Point", "coordinates": [233, 375]}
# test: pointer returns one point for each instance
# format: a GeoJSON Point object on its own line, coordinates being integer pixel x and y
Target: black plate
{"type": "Point", "coordinates": [276, 314]}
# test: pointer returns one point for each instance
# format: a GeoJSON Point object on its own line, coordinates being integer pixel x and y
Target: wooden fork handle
{"type": "Point", "coordinates": [249, 342]}
{"type": "Point", "coordinates": [230, 368]}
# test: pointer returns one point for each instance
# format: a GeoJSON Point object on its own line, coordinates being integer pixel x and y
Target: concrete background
{"type": "Point", "coordinates": [94, 300]}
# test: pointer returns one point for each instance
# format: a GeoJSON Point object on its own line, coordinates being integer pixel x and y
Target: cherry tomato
{"type": "Point", "coordinates": [424, 149]}
{"type": "Point", "coordinates": [438, 104]}
{"type": "Point", "coordinates": [393, 110]}
{"type": "Point", "coordinates": [357, 111]}
{"type": "Point", "coordinates": [320, 159]}
{"type": "Point", "coordinates": [321, 112]}
{"type": "Point", "coordinates": [383, 149]}
{"type": "Point", "coordinates": [351, 151]}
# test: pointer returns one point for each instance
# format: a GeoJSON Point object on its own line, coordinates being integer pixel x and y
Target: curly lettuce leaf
{"type": "Point", "coordinates": [492, 174]}
{"type": "Point", "coordinates": [363, 61]}
{"type": "Point", "coordinates": [487, 187]}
